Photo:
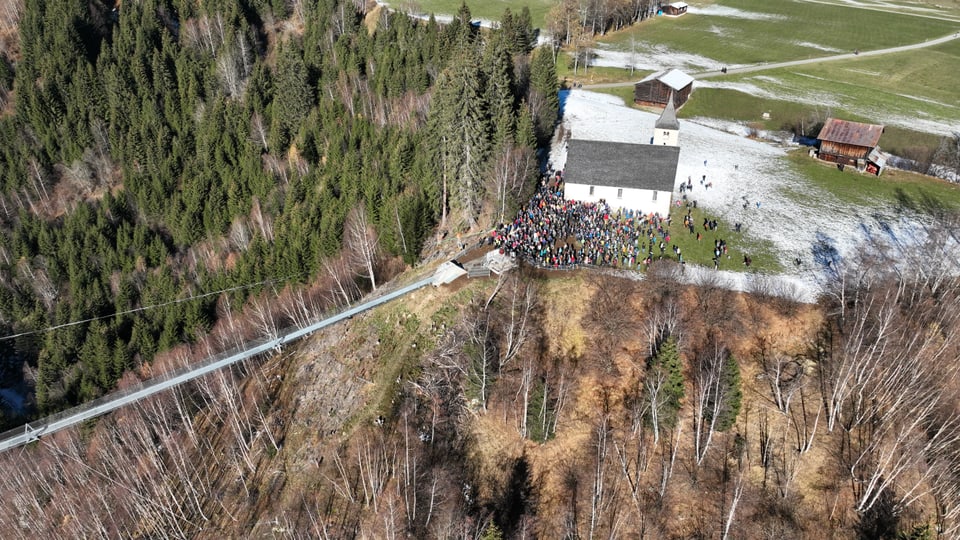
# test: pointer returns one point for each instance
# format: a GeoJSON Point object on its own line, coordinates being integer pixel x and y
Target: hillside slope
{"type": "Point", "coordinates": [524, 405]}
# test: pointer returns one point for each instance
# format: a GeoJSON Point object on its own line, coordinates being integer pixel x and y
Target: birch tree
{"type": "Point", "coordinates": [362, 242]}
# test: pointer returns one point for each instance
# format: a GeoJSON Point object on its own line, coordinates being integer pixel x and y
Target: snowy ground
{"type": "Point", "coordinates": [800, 219]}
{"type": "Point", "coordinates": [653, 57]}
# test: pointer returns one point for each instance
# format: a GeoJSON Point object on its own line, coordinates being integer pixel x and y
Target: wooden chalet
{"type": "Point", "coordinates": [851, 143]}
{"type": "Point", "coordinates": [656, 88]}
{"type": "Point", "coordinates": [675, 9]}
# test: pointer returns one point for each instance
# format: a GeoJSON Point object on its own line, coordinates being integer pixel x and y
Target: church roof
{"type": "Point", "coordinates": [626, 165]}
{"type": "Point", "coordinates": [668, 119]}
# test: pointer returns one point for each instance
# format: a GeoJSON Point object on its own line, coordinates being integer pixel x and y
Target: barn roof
{"type": "Point", "coordinates": [636, 166]}
{"type": "Point", "coordinates": [853, 133]}
{"type": "Point", "coordinates": [674, 78]}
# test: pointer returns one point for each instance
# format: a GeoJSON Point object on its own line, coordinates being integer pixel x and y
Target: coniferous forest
{"type": "Point", "coordinates": [157, 151]}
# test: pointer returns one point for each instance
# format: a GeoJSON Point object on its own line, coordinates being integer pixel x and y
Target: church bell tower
{"type": "Point", "coordinates": [667, 129]}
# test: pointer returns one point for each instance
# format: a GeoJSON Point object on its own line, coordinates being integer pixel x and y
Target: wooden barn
{"type": "Point", "coordinates": [675, 9]}
{"type": "Point", "coordinates": [851, 143]}
{"type": "Point", "coordinates": [655, 89]}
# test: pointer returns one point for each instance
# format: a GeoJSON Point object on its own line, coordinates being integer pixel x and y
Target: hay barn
{"type": "Point", "coordinates": [656, 88]}
{"type": "Point", "coordinates": [675, 9]}
{"type": "Point", "coordinates": [852, 144]}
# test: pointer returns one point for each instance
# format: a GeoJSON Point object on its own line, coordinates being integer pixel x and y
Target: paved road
{"type": "Point", "coordinates": [775, 65]}
{"type": "Point", "coordinates": [115, 400]}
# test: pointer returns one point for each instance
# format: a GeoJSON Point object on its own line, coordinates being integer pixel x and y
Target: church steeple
{"type": "Point", "coordinates": [667, 129]}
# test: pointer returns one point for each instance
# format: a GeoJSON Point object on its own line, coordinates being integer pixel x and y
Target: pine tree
{"type": "Point", "coordinates": [292, 97]}
{"type": "Point", "coordinates": [459, 136]}
{"type": "Point", "coordinates": [498, 66]}
{"type": "Point", "coordinates": [732, 394]}
{"type": "Point", "coordinates": [544, 100]}
{"type": "Point", "coordinates": [666, 364]}
{"type": "Point", "coordinates": [523, 32]}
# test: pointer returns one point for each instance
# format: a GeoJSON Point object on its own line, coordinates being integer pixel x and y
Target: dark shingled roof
{"type": "Point", "coordinates": [637, 166]}
{"type": "Point", "coordinates": [854, 133]}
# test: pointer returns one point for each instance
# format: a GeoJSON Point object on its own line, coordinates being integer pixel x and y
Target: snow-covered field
{"type": "Point", "coordinates": [733, 13]}
{"type": "Point", "coordinates": [800, 219]}
{"type": "Point", "coordinates": [653, 57]}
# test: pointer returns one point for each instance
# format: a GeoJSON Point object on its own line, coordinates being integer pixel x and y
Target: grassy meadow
{"type": "Point", "coordinates": [759, 31]}
{"type": "Point", "coordinates": [900, 189]}
{"type": "Point", "coordinates": [914, 88]}
{"type": "Point", "coordinates": [700, 252]}
{"type": "Point", "coordinates": [482, 9]}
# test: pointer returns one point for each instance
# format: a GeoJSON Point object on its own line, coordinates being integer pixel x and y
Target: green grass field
{"type": "Point", "coordinates": [700, 252]}
{"type": "Point", "coordinates": [484, 9]}
{"type": "Point", "coordinates": [915, 88]}
{"type": "Point", "coordinates": [738, 106]}
{"type": "Point", "coordinates": [893, 188]}
{"type": "Point", "coordinates": [780, 31]}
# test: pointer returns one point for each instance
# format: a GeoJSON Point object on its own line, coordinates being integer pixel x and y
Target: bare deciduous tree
{"type": "Point", "coordinates": [362, 242]}
{"type": "Point", "coordinates": [511, 168]}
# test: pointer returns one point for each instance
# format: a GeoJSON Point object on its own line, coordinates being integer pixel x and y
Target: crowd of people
{"type": "Point", "coordinates": [556, 233]}
{"type": "Point", "coordinates": [553, 232]}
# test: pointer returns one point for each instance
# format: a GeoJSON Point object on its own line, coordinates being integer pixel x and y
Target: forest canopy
{"type": "Point", "coordinates": [159, 151]}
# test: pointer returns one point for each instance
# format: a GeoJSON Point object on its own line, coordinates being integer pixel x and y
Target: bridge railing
{"type": "Point", "coordinates": [32, 430]}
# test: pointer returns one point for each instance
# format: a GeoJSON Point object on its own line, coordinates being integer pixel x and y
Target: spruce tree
{"type": "Point", "coordinates": [523, 32]}
{"type": "Point", "coordinates": [732, 394]}
{"type": "Point", "coordinates": [498, 66]}
{"type": "Point", "coordinates": [544, 100]}
{"type": "Point", "coordinates": [667, 363]}
{"type": "Point", "coordinates": [459, 136]}
{"type": "Point", "coordinates": [292, 97]}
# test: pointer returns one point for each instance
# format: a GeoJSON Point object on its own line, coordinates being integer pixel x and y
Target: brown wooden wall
{"type": "Point", "coordinates": [844, 150]}
{"type": "Point", "coordinates": [656, 93]}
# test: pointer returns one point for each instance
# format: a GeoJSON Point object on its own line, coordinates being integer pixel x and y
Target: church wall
{"type": "Point", "coordinates": [665, 137]}
{"type": "Point", "coordinates": [634, 199]}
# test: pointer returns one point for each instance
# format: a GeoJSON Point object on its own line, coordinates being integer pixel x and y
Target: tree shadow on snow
{"type": "Point", "coordinates": [825, 253]}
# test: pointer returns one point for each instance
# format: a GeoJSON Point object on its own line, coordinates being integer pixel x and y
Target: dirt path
{"type": "Point", "coordinates": [776, 65]}
{"type": "Point", "coordinates": [892, 8]}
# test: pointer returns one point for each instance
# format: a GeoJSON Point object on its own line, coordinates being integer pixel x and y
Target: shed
{"type": "Point", "coordinates": [655, 89]}
{"type": "Point", "coordinates": [675, 9]}
{"type": "Point", "coordinates": [851, 143]}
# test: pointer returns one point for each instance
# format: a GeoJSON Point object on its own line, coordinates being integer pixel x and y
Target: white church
{"type": "Point", "coordinates": [639, 177]}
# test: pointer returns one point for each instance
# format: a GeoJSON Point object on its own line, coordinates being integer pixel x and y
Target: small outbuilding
{"type": "Point", "coordinates": [655, 90]}
{"type": "Point", "coordinates": [851, 143]}
{"type": "Point", "coordinates": [675, 9]}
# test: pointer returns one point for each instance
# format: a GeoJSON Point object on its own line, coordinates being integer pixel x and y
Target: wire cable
{"type": "Point", "coordinates": [145, 308]}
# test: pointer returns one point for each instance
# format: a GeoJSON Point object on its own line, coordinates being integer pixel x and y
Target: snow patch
{"type": "Point", "coordinates": [826, 100]}
{"type": "Point", "coordinates": [652, 57]}
{"type": "Point", "coordinates": [817, 46]}
{"type": "Point", "coordinates": [718, 30]}
{"type": "Point", "coordinates": [928, 100]}
{"type": "Point", "coordinates": [734, 13]}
